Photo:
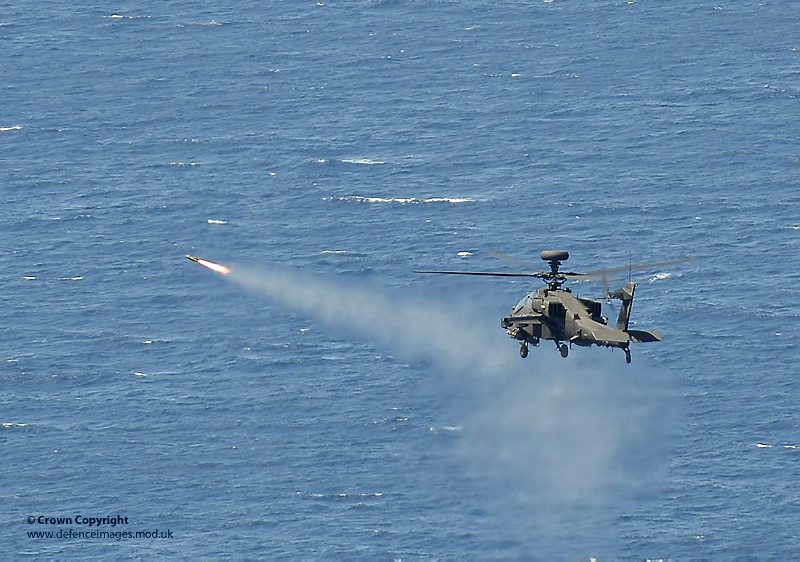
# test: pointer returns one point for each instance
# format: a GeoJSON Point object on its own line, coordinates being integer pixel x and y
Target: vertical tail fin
{"type": "Point", "coordinates": [626, 296]}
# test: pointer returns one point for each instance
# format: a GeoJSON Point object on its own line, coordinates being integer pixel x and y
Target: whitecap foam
{"type": "Point", "coordinates": [12, 425]}
{"type": "Point", "coordinates": [216, 221]}
{"type": "Point", "coordinates": [334, 251]}
{"type": "Point", "coordinates": [659, 277]}
{"type": "Point", "coordinates": [139, 374]}
{"type": "Point", "coordinates": [12, 128]}
{"type": "Point", "coordinates": [450, 428]}
{"type": "Point", "coordinates": [404, 200]}
{"type": "Point", "coordinates": [124, 17]}
{"type": "Point", "coordinates": [763, 446]}
{"type": "Point", "coordinates": [447, 200]}
{"type": "Point", "coordinates": [29, 278]}
{"type": "Point", "coordinates": [362, 161]}
{"type": "Point", "coordinates": [340, 495]}
{"type": "Point", "coordinates": [464, 254]}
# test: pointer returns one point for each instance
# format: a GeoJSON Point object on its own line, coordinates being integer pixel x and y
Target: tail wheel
{"type": "Point", "coordinates": [627, 355]}
{"type": "Point", "coordinates": [523, 350]}
{"type": "Point", "coordinates": [563, 349]}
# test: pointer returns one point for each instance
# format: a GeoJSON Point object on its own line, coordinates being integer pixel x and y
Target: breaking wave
{"type": "Point", "coordinates": [404, 200]}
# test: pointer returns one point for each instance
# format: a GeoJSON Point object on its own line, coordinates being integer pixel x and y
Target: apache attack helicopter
{"type": "Point", "coordinates": [554, 313]}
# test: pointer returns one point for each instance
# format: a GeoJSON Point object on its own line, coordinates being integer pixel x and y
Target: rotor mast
{"type": "Point", "coordinates": [554, 278]}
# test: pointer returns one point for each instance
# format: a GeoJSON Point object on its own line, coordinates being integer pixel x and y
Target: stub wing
{"type": "Point", "coordinates": [604, 335]}
{"type": "Point", "coordinates": [508, 320]}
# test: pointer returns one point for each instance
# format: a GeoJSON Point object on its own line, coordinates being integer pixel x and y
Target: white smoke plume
{"type": "Point", "coordinates": [416, 329]}
{"type": "Point", "coordinates": [587, 426]}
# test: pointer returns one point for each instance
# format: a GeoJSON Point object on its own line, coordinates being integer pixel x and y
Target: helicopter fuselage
{"type": "Point", "coordinates": [558, 315]}
{"type": "Point", "coordinates": [554, 313]}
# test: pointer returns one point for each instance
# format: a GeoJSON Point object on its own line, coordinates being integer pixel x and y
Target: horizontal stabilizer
{"type": "Point", "coordinates": [643, 336]}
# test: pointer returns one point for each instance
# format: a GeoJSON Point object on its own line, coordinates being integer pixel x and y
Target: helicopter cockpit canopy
{"type": "Point", "coordinates": [526, 300]}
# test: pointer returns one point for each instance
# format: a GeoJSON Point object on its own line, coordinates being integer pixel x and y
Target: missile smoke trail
{"type": "Point", "coordinates": [416, 329]}
{"type": "Point", "coordinates": [567, 429]}
{"type": "Point", "coordinates": [421, 330]}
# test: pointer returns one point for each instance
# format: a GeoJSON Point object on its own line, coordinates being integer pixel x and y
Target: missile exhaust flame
{"type": "Point", "coordinates": [218, 267]}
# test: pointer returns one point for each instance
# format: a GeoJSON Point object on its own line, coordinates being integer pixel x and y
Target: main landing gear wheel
{"type": "Point", "coordinates": [627, 355]}
{"type": "Point", "coordinates": [523, 350]}
{"type": "Point", "coordinates": [563, 349]}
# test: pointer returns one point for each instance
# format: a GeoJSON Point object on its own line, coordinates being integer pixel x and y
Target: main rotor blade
{"type": "Point", "coordinates": [512, 260]}
{"type": "Point", "coordinates": [597, 274]}
{"type": "Point", "coordinates": [525, 263]}
{"type": "Point", "coordinates": [601, 273]}
{"type": "Point", "coordinates": [485, 273]}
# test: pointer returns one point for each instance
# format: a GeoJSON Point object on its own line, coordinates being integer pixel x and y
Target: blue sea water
{"type": "Point", "coordinates": [357, 410]}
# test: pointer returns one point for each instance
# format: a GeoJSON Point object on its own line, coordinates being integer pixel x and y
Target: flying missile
{"type": "Point", "coordinates": [213, 266]}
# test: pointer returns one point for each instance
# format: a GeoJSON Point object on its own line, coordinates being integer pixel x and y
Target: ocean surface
{"type": "Point", "coordinates": [326, 402]}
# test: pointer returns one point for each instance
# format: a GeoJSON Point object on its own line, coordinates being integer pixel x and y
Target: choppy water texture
{"type": "Point", "coordinates": [326, 402]}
